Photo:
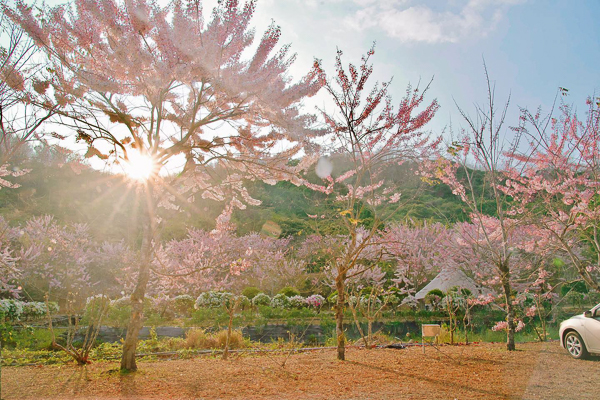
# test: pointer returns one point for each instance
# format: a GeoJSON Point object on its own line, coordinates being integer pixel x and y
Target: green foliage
{"type": "Point", "coordinates": [183, 305]}
{"type": "Point", "coordinates": [156, 319]}
{"type": "Point", "coordinates": [577, 287]}
{"type": "Point", "coordinates": [118, 316]}
{"type": "Point", "coordinates": [289, 291]}
{"type": "Point", "coordinates": [435, 292]}
{"type": "Point", "coordinates": [33, 338]}
{"type": "Point", "coordinates": [208, 316]}
{"type": "Point", "coordinates": [6, 331]}
{"type": "Point", "coordinates": [251, 291]}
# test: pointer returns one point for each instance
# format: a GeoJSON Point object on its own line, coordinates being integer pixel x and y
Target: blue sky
{"type": "Point", "coordinates": [531, 47]}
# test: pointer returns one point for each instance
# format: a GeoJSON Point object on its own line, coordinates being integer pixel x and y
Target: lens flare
{"type": "Point", "coordinates": [138, 166]}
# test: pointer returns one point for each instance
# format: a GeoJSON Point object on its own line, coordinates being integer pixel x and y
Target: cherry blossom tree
{"type": "Point", "coordinates": [367, 130]}
{"type": "Point", "coordinates": [481, 149]}
{"type": "Point", "coordinates": [42, 257]}
{"type": "Point", "coordinates": [557, 180]}
{"type": "Point", "coordinates": [145, 85]}
{"type": "Point", "coordinates": [20, 117]}
{"type": "Point", "coordinates": [419, 253]}
{"type": "Point", "coordinates": [220, 260]}
{"type": "Point", "coordinates": [365, 290]}
{"type": "Point", "coordinates": [9, 270]}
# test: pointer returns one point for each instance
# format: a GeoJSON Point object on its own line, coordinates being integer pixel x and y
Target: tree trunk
{"type": "Point", "coordinates": [137, 302]}
{"type": "Point", "coordinates": [357, 323]}
{"type": "Point", "coordinates": [339, 316]}
{"type": "Point", "coordinates": [465, 324]}
{"type": "Point", "coordinates": [510, 318]}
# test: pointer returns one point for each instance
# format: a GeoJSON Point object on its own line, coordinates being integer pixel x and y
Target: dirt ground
{"type": "Point", "coordinates": [486, 371]}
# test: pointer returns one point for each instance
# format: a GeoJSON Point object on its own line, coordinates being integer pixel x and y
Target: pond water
{"type": "Point", "coordinates": [307, 333]}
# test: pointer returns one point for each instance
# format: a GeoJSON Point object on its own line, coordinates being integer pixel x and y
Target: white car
{"type": "Point", "coordinates": [580, 334]}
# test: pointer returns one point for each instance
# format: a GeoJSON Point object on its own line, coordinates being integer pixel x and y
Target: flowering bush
{"type": "Point", "coordinates": [12, 309]}
{"type": "Point", "coordinates": [16, 309]}
{"type": "Point", "coordinates": [503, 325]}
{"type": "Point", "coordinates": [34, 310]}
{"type": "Point", "coordinates": [315, 301]}
{"type": "Point", "coordinates": [500, 326]}
{"type": "Point", "coordinates": [243, 301]}
{"type": "Point", "coordinates": [261, 299]}
{"type": "Point", "coordinates": [352, 300]}
{"type": "Point", "coordinates": [95, 299]}
{"type": "Point", "coordinates": [297, 302]}
{"type": "Point", "coordinates": [221, 299]}
{"type": "Point", "coordinates": [211, 299]}
{"type": "Point", "coordinates": [280, 301]}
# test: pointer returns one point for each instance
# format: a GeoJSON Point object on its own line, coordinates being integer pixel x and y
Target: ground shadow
{"type": "Point", "coordinates": [439, 382]}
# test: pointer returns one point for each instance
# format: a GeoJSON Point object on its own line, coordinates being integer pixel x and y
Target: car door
{"type": "Point", "coordinates": [591, 332]}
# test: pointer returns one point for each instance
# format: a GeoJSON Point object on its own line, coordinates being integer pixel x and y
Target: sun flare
{"type": "Point", "coordinates": [138, 166]}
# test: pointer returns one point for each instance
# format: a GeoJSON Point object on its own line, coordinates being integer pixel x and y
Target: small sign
{"type": "Point", "coordinates": [430, 330]}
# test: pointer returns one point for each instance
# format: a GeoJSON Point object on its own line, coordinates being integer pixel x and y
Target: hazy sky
{"type": "Point", "coordinates": [531, 47]}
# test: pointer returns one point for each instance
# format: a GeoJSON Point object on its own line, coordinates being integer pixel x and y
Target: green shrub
{"type": "Point", "coordinates": [183, 304]}
{"type": "Point", "coordinates": [251, 291]}
{"type": "Point", "coordinates": [289, 291]}
{"type": "Point", "coordinates": [118, 315]}
{"type": "Point", "coordinates": [435, 292]}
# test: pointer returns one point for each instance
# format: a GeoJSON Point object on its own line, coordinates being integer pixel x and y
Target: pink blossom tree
{"type": "Point", "coordinates": [481, 149]}
{"type": "Point", "coordinates": [20, 114]}
{"type": "Point", "coordinates": [62, 260]}
{"type": "Point", "coordinates": [220, 260]}
{"type": "Point", "coordinates": [475, 250]}
{"type": "Point", "coordinates": [43, 258]}
{"type": "Point", "coordinates": [419, 252]}
{"type": "Point", "coordinates": [160, 84]}
{"type": "Point", "coordinates": [366, 129]}
{"type": "Point", "coordinates": [557, 180]}
{"type": "Point", "coordinates": [9, 258]}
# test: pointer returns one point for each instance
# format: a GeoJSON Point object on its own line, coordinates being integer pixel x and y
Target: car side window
{"type": "Point", "coordinates": [597, 313]}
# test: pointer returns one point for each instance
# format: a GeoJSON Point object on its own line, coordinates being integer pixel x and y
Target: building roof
{"type": "Point", "coordinates": [448, 278]}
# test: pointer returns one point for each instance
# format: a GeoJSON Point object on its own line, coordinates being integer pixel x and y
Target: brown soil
{"type": "Point", "coordinates": [487, 371]}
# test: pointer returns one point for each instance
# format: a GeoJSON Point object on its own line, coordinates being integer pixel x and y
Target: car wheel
{"type": "Point", "coordinates": [575, 345]}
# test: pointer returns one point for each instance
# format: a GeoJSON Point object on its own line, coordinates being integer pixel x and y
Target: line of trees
{"type": "Point", "coordinates": [134, 79]}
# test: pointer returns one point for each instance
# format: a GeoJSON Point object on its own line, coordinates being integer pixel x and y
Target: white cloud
{"type": "Point", "coordinates": [410, 22]}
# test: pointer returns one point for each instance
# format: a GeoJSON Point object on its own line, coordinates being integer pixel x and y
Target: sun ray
{"type": "Point", "coordinates": [139, 166]}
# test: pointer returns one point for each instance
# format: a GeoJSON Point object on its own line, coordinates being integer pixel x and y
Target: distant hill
{"type": "Point", "coordinates": [111, 206]}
